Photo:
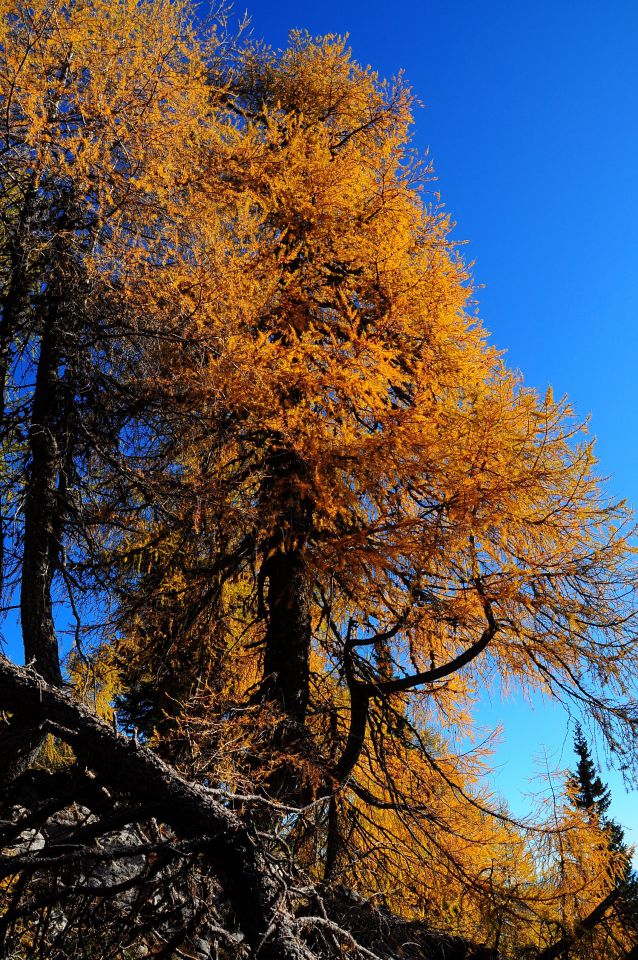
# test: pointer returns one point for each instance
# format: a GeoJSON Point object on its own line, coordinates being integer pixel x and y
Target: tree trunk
{"type": "Point", "coordinates": [20, 743]}
{"type": "Point", "coordinates": [42, 509]}
{"type": "Point", "coordinates": [286, 668]}
{"type": "Point", "coordinates": [288, 634]}
{"type": "Point", "coordinates": [11, 305]}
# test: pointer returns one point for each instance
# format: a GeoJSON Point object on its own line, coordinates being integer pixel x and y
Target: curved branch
{"type": "Point", "coordinates": [400, 684]}
{"type": "Point", "coordinates": [561, 947]}
{"type": "Point", "coordinates": [361, 693]}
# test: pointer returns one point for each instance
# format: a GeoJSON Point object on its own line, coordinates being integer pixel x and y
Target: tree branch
{"type": "Point", "coordinates": [249, 881]}
{"type": "Point", "coordinates": [592, 920]}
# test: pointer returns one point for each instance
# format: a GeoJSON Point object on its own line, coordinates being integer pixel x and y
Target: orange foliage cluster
{"type": "Point", "coordinates": [295, 316]}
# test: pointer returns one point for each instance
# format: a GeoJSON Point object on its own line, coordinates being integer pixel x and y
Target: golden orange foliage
{"type": "Point", "coordinates": [322, 410]}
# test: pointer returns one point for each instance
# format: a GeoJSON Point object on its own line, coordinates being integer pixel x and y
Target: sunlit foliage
{"type": "Point", "coordinates": [299, 499]}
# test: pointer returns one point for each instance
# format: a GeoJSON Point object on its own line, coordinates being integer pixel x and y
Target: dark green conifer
{"type": "Point", "coordinates": [591, 794]}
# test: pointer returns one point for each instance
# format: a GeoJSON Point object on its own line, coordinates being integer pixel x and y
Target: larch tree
{"type": "Point", "coordinates": [255, 438]}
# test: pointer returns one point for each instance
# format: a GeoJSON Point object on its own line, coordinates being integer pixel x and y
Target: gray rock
{"type": "Point", "coordinates": [29, 841]}
{"type": "Point", "coordinates": [104, 872]}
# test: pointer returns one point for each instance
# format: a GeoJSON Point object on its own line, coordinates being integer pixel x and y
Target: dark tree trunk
{"type": "Point", "coordinates": [11, 305]}
{"type": "Point", "coordinates": [288, 634]}
{"type": "Point", "coordinates": [20, 743]}
{"type": "Point", "coordinates": [286, 668]}
{"type": "Point", "coordinates": [42, 507]}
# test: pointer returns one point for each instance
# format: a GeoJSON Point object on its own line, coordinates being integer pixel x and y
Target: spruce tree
{"type": "Point", "coordinates": [591, 794]}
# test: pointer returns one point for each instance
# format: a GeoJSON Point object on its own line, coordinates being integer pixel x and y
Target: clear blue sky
{"type": "Point", "coordinates": [530, 113]}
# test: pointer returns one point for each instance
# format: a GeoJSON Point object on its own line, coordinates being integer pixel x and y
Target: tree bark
{"type": "Point", "coordinates": [21, 743]}
{"type": "Point", "coordinates": [249, 881]}
{"type": "Point", "coordinates": [42, 508]}
{"type": "Point", "coordinates": [286, 667]}
{"type": "Point", "coordinates": [288, 634]}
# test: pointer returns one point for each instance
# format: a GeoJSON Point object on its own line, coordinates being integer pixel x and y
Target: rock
{"type": "Point", "coordinates": [29, 841]}
{"type": "Point", "coordinates": [202, 949]}
{"type": "Point", "coordinates": [104, 872]}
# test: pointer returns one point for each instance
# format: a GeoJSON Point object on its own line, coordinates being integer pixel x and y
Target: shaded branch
{"type": "Point", "coordinates": [561, 947]}
{"type": "Point", "coordinates": [249, 881]}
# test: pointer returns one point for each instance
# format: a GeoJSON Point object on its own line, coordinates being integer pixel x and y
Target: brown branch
{"type": "Point", "coordinates": [248, 879]}
{"type": "Point", "coordinates": [359, 704]}
{"type": "Point", "coordinates": [400, 684]}
{"type": "Point", "coordinates": [362, 692]}
{"type": "Point", "coordinates": [557, 949]}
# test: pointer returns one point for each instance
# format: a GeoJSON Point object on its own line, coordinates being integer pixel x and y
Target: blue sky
{"type": "Point", "coordinates": [529, 113]}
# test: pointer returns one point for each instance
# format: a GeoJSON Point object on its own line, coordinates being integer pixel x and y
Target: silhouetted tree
{"type": "Point", "coordinates": [591, 794]}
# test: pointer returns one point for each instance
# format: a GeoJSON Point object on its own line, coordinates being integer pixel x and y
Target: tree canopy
{"type": "Point", "coordinates": [295, 510]}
